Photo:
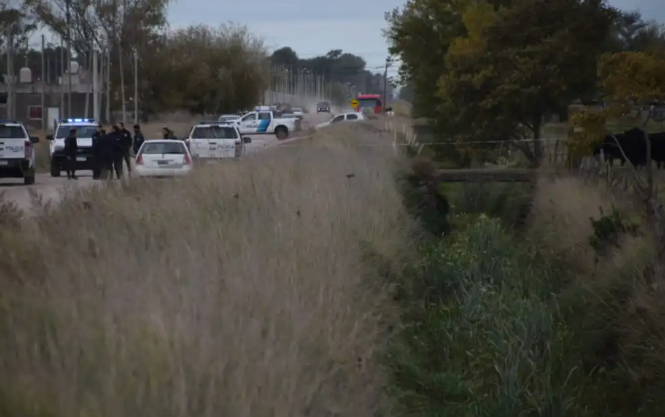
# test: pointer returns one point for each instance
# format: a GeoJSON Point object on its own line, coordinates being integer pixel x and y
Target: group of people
{"type": "Point", "coordinates": [110, 150]}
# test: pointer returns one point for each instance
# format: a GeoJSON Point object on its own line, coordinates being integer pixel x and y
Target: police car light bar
{"type": "Point", "coordinates": [77, 121]}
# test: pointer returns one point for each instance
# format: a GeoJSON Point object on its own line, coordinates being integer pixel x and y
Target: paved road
{"type": "Point", "coordinates": [52, 188]}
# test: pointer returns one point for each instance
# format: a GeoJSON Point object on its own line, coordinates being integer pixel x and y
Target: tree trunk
{"type": "Point", "coordinates": [122, 82]}
{"type": "Point", "coordinates": [89, 91]}
{"type": "Point", "coordinates": [538, 148]}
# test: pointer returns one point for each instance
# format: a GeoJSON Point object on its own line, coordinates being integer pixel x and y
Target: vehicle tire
{"type": "Point", "coordinates": [282, 132]}
{"type": "Point", "coordinates": [55, 169]}
{"type": "Point", "coordinates": [29, 177]}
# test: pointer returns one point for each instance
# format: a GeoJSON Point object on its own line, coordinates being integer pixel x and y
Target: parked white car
{"type": "Point", "coordinates": [266, 123]}
{"type": "Point", "coordinates": [163, 158]}
{"type": "Point", "coordinates": [216, 140]}
{"type": "Point", "coordinates": [344, 117]}
{"type": "Point", "coordinates": [228, 118]}
{"type": "Point", "coordinates": [17, 152]}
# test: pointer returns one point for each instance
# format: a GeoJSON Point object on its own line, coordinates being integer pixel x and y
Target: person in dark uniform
{"type": "Point", "coordinates": [117, 138]}
{"type": "Point", "coordinates": [126, 141]}
{"type": "Point", "coordinates": [168, 133]}
{"type": "Point", "coordinates": [96, 153]}
{"type": "Point", "coordinates": [71, 149]}
{"type": "Point", "coordinates": [107, 154]}
{"type": "Point", "coordinates": [138, 139]}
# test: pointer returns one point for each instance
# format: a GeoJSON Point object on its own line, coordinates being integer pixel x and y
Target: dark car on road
{"type": "Point", "coordinates": [323, 107]}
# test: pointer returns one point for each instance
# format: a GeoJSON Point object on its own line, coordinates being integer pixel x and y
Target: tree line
{"type": "Point", "coordinates": [344, 74]}
{"type": "Point", "coordinates": [200, 68]}
{"type": "Point", "coordinates": [496, 70]}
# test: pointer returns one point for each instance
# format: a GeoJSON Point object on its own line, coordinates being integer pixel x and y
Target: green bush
{"type": "Point", "coordinates": [482, 336]}
{"type": "Point", "coordinates": [505, 201]}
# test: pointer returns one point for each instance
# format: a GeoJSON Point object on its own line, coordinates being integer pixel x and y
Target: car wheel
{"type": "Point", "coordinates": [282, 133]}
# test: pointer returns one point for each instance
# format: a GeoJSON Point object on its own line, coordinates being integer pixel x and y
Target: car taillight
{"type": "Point", "coordinates": [238, 142]}
{"type": "Point", "coordinates": [27, 149]}
{"type": "Point", "coordinates": [188, 160]}
{"type": "Point", "coordinates": [139, 160]}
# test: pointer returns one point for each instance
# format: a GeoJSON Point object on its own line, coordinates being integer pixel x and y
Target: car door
{"type": "Point", "coordinates": [249, 123]}
{"type": "Point", "coordinates": [224, 141]}
{"type": "Point", "coordinates": [264, 122]}
{"type": "Point", "coordinates": [198, 142]}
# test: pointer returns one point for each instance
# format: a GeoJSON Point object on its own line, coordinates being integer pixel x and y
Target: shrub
{"type": "Point", "coordinates": [481, 335]}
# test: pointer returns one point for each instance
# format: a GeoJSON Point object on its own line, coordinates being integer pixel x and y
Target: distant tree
{"type": "Point", "coordinates": [285, 57]}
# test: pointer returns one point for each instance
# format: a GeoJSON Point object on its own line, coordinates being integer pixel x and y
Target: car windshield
{"type": "Point", "coordinates": [228, 117]}
{"type": "Point", "coordinates": [289, 116]}
{"type": "Point", "coordinates": [81, 131]}
{"type": "Point", "coordinates": [12, 132]}
{"type": "Point", "coordinates": [323, 104]}
{"type": "Point", "coordinates": [214, 132]}
{"type": "Point", "coordinates": [163, 148]}
{"type": "Point", "coordinates": [296, 110]}
{"type": "Point", "coordinates": [368, 102]}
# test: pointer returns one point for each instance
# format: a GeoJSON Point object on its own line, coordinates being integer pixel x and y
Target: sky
{"type": "Point", "coordinates": [313, 28]}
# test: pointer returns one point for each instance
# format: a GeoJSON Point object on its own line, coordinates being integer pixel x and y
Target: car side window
{"type": "Point", "coordinates": [337, 119]}
{"type": "Point", "coordinates": [264, 116]}
{"type": "Point", "coordinates": [249, 117]}
{"type": "Point", "coordinates": [351, 117]}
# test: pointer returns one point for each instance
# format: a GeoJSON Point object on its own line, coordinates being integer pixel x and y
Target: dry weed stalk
{"type": "Point", "coordinates": [248, 289]}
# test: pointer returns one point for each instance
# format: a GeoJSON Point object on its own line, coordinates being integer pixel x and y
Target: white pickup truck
{"type": "Point", "coordinates": [266, 122]}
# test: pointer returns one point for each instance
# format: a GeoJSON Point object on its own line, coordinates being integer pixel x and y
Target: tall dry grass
{"type": "Point", "coordinates": [247, 289]}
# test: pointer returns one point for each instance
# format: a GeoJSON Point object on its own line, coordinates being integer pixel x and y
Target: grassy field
{"type": "Point", "coordinates": [255, 288]}
{"type": "Point", "coordinates": [322, 280]}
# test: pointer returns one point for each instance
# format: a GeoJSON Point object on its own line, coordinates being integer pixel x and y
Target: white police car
{"type": "Point", "coordinates": [215, 139]}
{"type": "Point", "coordinates": [85, 128]}
{"type": "Point", "coordinates": [17, 153]}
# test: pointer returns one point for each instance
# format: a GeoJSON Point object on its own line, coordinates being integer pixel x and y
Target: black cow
{"type": "Point", "coordinates": [630, 144]}
{"type": "Point", "coordinates": [658, 149]}
{"type": "Point", "coordinates": [610, 149]}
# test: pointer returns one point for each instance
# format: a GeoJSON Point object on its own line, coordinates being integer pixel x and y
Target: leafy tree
{"type": "Point", "coordinates": [420, 34]}
{"type": "Point", "coordinates": [632, 33]}
{"type": "Point", "coordinates": [212, 70]}
{"type": "Point", "coordinates": [517, 64]}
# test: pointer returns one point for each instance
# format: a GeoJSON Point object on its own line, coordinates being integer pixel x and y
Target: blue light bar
{"type": "Point", "coordinates": [77, 121]}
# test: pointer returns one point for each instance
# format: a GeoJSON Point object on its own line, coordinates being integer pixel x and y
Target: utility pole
{"type": "Point", "coordinates": [61, 79]}
{"type": "Point", "coordinates": [385, 83]}
{"type": "Point", "coordinates": [9, 73]}
{"type": "Point", "coordinates": [69, 60]}
{"type": "Point", "coordinates": [43, 84]}
{"type": "Point", "coordinates": [136, 86]}
{"type": "Point", "coordinates": [95, 83]}
{"type": "Point", "coordinates": [108, 85]}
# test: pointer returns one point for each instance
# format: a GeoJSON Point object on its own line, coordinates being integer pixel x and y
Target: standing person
{"type": "Point", "coordinates": [168, 133]}
{"type": "Point", "coordinates": [98, 163]}
{"type": "Point", "coordinates": [71, 149]}
{"type": "Point", "coordinates": [106, 154]}
{"type": "Point", "coordinates": [117, 140]}
{"type": "Point", "coordinates": [126, 142]}
{"type": "Point", "coordinates": [138, 139]}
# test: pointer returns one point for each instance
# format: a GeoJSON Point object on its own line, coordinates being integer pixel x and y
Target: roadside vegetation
{"type": "Point", "coordinates": [261, 287]}
{"type": "Point", "coordinates": [541, 299]}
